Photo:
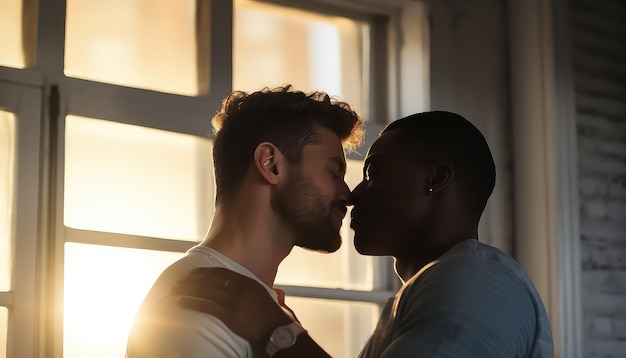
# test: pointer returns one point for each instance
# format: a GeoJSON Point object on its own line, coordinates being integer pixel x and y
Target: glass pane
{"type": "Point", "coordinates": [102, 298]}
{"type": "Point", "coordinates": [12, 53]}
{"type": "Point", "coordinates": [341, 328]}
{"type": "Point", "coordinates": [134, 180]}
{"type": "Point", "coordinates": [305, 49]}
{"type": "Point", "coordinates": [137, 43]}
{"type": "Point", "coordinates": [7, 173]}
{"type": "Point", "coordinates": [4, 323]}
{"type": "Point", "coordinates": [342, 269]}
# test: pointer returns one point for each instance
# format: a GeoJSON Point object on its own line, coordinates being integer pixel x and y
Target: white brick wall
{"type": "Point", "coordinates": [599, 53]}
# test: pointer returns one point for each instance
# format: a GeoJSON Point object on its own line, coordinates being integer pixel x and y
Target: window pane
{"type": "Point", "coordinates": [4, 323]}
{"type": "Point", "coordinates": [305, 49]}
{"type": "Point", "coordinates": [104, 287]}
{"type": "Point", "coordinates": [7, 173]}
{"type": "Point", "coordinates": [128, 179]}
{"type": "Point", "coordinates": [137, 43]}
{"type": "Point", "coordinates": [341, 328]}
{"type": "Point", "coordinates": [11, 53]}
{"type": "Point", "coordinates": [342, 269]}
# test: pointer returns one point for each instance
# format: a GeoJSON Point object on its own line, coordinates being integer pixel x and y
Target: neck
{"type": "Point", "coordinates": [406, 266]}
{"type": "Point", "coordinates": [438, 235]}
{"type": "Point", "coordinates": [249, 235]}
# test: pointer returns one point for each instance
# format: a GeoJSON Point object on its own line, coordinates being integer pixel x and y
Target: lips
{"type": "Point", "coordinates": [353, 216]}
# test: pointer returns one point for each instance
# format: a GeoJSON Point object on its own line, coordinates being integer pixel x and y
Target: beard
{"type": "Point", "coordinates": [303, 207]}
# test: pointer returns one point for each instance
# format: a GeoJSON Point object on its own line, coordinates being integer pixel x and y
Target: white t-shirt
{"type": "Point", "coordinates": [474, 301]}
{"type": "Point", "coordinates": [163, 329]}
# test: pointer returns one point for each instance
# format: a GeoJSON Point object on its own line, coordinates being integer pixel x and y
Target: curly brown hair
{"type": "Point", "coordinates": [282, 116]}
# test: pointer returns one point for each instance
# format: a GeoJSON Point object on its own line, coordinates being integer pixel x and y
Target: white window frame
{"type": "Point", "coordinates": [23, 98]}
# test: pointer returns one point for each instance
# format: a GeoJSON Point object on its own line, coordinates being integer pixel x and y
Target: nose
{"type": "Point", "coordinates": [344, 194]}
{"type": "Point", "coordinates": [355, 195]}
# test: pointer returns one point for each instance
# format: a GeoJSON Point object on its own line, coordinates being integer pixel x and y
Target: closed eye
{"type": "Point", "coordinates": [337, 168]}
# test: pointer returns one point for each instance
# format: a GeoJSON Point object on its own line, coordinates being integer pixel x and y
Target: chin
{"type": "Point", "coordinates": [363, 248]}
{"type": "Point", "coordinates": [360, 248]}
{"type": "Point", "coordinates": [322, 246]}
{"type": "Point", "coordinates": [334, 245]}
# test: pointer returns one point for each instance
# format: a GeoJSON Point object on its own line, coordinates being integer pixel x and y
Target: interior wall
{"type": "Point", "coordinates": [469, 76]}
{"type": "Point", "coordinates": [598, 39]}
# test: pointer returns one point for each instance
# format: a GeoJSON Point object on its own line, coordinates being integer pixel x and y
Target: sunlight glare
{"type": "Point", "coordinates": [308, 50]}
{"type": "Point", "coordinates": [136, 43]}
{"type": "Point", "coordinates": [104, 287]}
{"type": "Point", "coordinates": [7, 174]}
{"type": "Point", "coordinates": [133, 180]}
{"type": "Point", "coordinates": [12, 53]}
{"type": "Point", "coordinates": [4, 323]}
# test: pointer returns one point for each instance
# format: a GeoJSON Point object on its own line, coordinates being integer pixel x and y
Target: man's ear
{"type": "Point", "coordinates": [267, 159]}
{"type": "Point", "coordinates": [441, 177]}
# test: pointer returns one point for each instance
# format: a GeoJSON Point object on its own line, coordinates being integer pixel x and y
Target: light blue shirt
{"type": "Point", "coordinates": [474, 301]}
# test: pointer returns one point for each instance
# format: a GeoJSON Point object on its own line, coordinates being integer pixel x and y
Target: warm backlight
{"type": "Point", "coordinates": [104, 287]}
{"type": "Point", "coordinates": [11, 40]}
{"type": "Point", "coordinates": [133, 180]}
{"type": "Point", "coordinates": [302, 48]}
{"type": "Point", "coordinates": [7, 175]}
{"type": "Point", "coordinates": [138, 43]}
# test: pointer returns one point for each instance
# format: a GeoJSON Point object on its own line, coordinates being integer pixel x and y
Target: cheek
{"type": "Point", "coordinates": [386, 227]}
{"type": "Point", "coordinates": [398, 213]}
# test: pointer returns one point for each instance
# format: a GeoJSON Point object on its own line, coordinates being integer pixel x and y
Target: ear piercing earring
{"type": "Point", "coordinates": [430, 190]}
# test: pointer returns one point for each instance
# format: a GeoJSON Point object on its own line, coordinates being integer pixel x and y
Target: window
{"type": "Point", "coordinates": [129, 180]}
{"type": "Point", "coordinates": [4, 320]}
{"type": "Point", "coordinates": [134, 43]}
{"type": "Point", "coordinates": [12, 39]}
{"type": "Point", "coordinates": [19, 176]}
{"type": "Point", "coordinates": [113, 279]}
{"type": "Point", "coordinates": [135, 180]}
{"type": "Point", "coordinates": [7, 173]}
{"type": "Point", "coordinates": [303, 48]}
{"type": "Point", "coordinates": [105, 155]}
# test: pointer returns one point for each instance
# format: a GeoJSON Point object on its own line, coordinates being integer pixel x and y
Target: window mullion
{"type": "Point", "coordinates": [375, 296]}
{"type": "Point", "coordinates": [181, 114]}
{"type": "Point", "coordinates": [50, 37]}
{"type": "Point", "coordinates": [6, 299]}
{"type": "Point", "coordinates": [220, 48]}
{"type": "Point", "coordinates": [22, 329]}
{"type": "Point", "coordinates": [125, 240]}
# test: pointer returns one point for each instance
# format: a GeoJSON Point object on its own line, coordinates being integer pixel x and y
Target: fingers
{"type": "Point", "coordinates": [213, 276]}
{"type": "Point", "coordinates": [216, 278]}
{"type": "Point", "coordinates": [202, 305]}
{"type": "Point", "coordinates": [209, 283]}
{"type": "Point", "coordinates": [218, 310]}
{"type": "Point", "coordinates": [217, 273]}
{"type": "Point", "coordinates": [202, 292]}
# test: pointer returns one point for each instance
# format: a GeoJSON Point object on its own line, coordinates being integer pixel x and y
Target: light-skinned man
{"type": "Point", "coordinates": [279, 169]}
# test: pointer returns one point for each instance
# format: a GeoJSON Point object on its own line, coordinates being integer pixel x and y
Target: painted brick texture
{"type": "Point", "coordinates": [599, 54]}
